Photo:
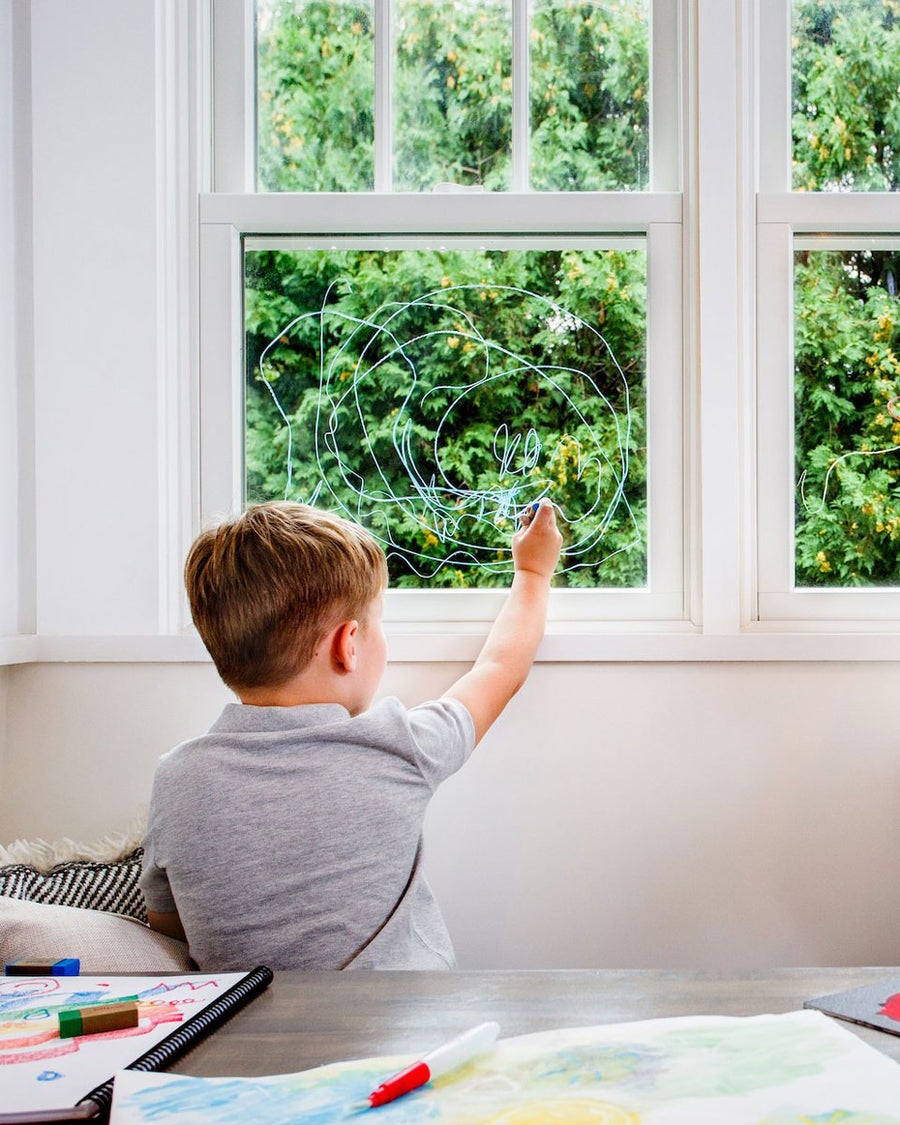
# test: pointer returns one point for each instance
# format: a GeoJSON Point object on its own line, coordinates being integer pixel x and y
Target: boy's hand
{"type": "Point", "coordinates": [537, 545]}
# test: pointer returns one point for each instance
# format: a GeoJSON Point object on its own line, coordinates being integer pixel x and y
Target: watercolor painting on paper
{"type": "Point", "coordinates": [794, 1069]}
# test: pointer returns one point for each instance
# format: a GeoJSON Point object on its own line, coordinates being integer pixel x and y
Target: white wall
{"type": "Point", "coordinates": [4, 740]}
{"type": "Point", "coordinates": [9, 539]}
{"type": "Point", "coordinates": [644, 815]}
{"type": "Point", "coordinates": [95, 348]}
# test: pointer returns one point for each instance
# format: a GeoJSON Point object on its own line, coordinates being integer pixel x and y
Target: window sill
{"type": "Point", "coordinates": [564, 643]}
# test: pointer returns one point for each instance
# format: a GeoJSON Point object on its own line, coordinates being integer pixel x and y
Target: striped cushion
{"type": "Point", "coordinates": [98, 886]}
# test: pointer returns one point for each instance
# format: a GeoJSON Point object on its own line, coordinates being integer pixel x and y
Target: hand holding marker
{"type": "Point", "coordinates": [440, 1061]}
{"type": "Point", "coordinates": [530, 512]}
{"type": "Point", "coordinates": [537, 543]}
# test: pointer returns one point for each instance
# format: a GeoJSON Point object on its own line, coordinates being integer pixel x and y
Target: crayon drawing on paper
{"type": "Point", "coordinates": [39, 1070]}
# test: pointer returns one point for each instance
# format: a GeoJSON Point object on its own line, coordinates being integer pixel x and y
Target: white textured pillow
{"type": "Point", "coordinates": [104, 943]}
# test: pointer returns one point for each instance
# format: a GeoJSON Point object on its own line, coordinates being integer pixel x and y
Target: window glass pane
{"type": "Point", "coordinates": [315, 95]}
{"type": "Point", "coordinates": [452, 94]}
{"type": "Point", "coordinates": [589, 94]}
{"type": "Point", "coordinates": [432, 393]}
{"type": "Point", "coordinates": [847, 416]}
{"type": "Point", "coordinates": [846, 95]}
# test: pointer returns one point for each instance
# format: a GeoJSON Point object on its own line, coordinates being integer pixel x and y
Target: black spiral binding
{"type": "Point", "coordinates": [189, 1033]}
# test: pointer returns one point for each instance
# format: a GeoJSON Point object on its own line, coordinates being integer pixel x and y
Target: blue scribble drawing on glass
{"type": "Point", "coordinates": [463, 511]}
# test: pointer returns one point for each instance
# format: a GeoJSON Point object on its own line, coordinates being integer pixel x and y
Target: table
{"type": "Point", "coordinates": [305, 1019]}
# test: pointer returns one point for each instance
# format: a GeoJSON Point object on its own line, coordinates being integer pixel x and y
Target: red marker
{"type": "Point", "coordinates": [440, 1061]}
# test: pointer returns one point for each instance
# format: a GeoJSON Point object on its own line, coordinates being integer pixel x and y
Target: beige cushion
{"type": "Point", "coordinates": [105, 943]}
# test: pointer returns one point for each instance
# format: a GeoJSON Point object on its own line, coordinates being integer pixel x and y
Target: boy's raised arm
{"type": "Point", "coordinates": [505, 661]}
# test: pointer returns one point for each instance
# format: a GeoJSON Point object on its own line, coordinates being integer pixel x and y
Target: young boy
{"type": "Point", "coordinates": [291, 833]}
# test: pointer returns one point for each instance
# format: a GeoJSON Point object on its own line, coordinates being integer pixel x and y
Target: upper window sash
{"type": "Point", "coordinates": [234, 113]}
{"type": "Point", "coordinates": [775, 104]}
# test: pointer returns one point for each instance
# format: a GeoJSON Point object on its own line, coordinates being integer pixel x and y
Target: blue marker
{"type": "Point", "coordinates": [530, 512]}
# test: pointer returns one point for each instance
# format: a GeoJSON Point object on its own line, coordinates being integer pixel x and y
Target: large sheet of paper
{"type": "Point", "coordinates": [795, 1069]}
{"type": "Point", "coordinates": [38, 1070]}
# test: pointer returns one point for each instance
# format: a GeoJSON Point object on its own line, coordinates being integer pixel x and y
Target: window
{"type": "Point", "coordinates": [432, 394]}
{"type": "Point", "coordinates": [829, 253]}
{"type": "Point", "coordinates": [461, 294]}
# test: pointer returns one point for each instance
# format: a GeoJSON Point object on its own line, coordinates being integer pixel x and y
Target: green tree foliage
{"type": "Point", "coordinates": [358, 399]}
{"type": "Point", "coordinates": [846, 121]}
{"type": "Point", "coordinates": [848, 441]}
{"type": "Point", "coordinates": [590, 113]}
{"type": "Point", "coordinates": [846, 64]}
{"type": "Point", "coordinates": [452, 94]}
{"type": "Point", "coordinates": [315, 96]}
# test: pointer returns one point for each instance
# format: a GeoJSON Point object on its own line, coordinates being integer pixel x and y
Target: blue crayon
{"type": "Point", "coordinates": [66, 967]}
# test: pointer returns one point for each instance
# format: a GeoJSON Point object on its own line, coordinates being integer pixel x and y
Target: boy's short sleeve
{"type": "Point", "coordinates": [154, 881]}
{"type": "Point", "coordinates": [443, 736]}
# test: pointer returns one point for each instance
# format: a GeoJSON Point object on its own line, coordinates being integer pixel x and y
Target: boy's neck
{"type": "Point", "coordinates": [286, 696]}
{"type": "Point", "coordinates": [300, 692]}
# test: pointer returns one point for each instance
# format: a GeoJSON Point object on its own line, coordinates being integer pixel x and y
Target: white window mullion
{"type": "Point", "coordinates": [180, 171]}
{"type": "Point", "coordinates": [720, 360]}
{"type": "Point", "coordinates": [383, 86]}
{"type": "Point", "coordinates": [221, 371]}
{"type": "Point", "coordinates": [775, 516]}
{"type": "Point", "coordinates": [424, 212]}
{"type": "Point", "coordinates": [775, 95]}
{"type": "Point", "coordinates": [835, 212]}
{"type": "Point", "coordinates": [520, 116]}
{"type": "Point", "coordinates": [666, 39]}
{"type": "Point", "coordinates": [665, 415]}
{"type": "Point", "coordinates": [234, 102]}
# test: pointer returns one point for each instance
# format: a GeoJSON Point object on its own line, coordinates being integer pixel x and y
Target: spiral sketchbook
{"type": "Point", "coordinates": [873, 1005]}
{"type": "Point", "coordinates": [43, 1073]}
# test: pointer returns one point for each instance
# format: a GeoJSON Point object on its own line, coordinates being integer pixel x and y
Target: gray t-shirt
{"type": "Point", "coordinates": [292, 836]}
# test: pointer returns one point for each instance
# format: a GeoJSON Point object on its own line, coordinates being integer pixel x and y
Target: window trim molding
{"type": "Point", "coordinates": [222, 375]}
{"type": "Point", "coordinates": [235, 210]}
{"type": "Point", "coordinates": [781, 214]}
{"type": "Point", "coordinates": [779, 642]}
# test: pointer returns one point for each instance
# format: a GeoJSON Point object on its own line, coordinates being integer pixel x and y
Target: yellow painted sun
{"type": "Point", "coordinates": [566, 1111]}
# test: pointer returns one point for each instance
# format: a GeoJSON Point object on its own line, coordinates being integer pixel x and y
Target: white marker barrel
{"type": "Point", "coordinates": [461, 1049]}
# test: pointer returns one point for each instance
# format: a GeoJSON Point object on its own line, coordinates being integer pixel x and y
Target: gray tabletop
{"type": "Point", "coordinates": [306, 1019]}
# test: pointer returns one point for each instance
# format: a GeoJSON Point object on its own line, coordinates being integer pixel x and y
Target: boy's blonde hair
{"type": "Point", "coordinates": [266, 586]}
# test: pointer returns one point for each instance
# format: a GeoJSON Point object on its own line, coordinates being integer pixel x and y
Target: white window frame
{"type": "Point", "coordinates": [784, 217]}
{"type": "Point", "coordinates": [234, 211]}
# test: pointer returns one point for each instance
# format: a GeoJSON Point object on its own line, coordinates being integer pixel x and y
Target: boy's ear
{"type": "Point", "coordinates": [343, 646]}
